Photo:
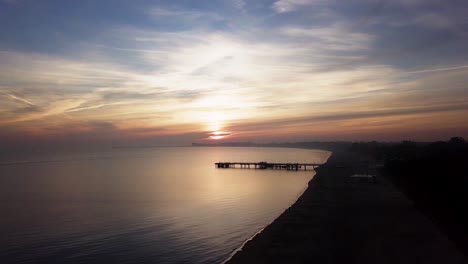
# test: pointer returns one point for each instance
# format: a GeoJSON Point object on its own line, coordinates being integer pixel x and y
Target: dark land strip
{"type": "Point", "coordinates": [337, 220]}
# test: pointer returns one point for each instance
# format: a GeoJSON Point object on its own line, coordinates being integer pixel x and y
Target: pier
{"type": "Point", "coordinates": [267, 165]}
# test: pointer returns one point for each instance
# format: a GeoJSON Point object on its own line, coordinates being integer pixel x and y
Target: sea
{"type": "Point", "coordinates": [142, 205]}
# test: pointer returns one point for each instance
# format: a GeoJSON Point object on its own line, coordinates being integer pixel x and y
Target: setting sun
{"type": "Point", "coordinates": [217, 135]}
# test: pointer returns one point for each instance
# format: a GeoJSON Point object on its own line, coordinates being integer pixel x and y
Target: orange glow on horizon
{"type": "Point", "coordinates": [217, 135]}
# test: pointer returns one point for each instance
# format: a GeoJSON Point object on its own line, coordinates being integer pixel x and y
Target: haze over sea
{"type": "Point", "coordinates": [141, 205]}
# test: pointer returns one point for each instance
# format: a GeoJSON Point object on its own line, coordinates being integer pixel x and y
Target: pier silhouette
{"type": "Point", "coordinates": [267, 165]}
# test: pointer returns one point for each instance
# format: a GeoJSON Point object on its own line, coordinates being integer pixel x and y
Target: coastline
{"type": "Point", "coordinates": [335, 221]}
{"type": "Point", "coordinates": [233, 253]}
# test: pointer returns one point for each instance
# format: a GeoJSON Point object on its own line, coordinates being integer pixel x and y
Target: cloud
{"type": "Point", "coordinates": [284, 6]}
{"type": "Point", "coordinates": [336, 118]}
{"type": "Point", "coordinates": [219, 134]}
{"type": "Point", "coordinates": [17, 98]}
{"type": "Point", "coordinates": [439, 69]}
{"type": "Point", "coordinates": [240, 4]}
{"type": "Point", "coordinates": [332, 37]}
{"type": "Point", "coordinates": [191, 76]}
{"type": "Point", "coordinates": [183, 67]}
{"type": "Point", "coordinates": [185, 18]}
{"type": "Point", "coordinates": [27, 110]}
{"type": "Point", "coordinates": [89, 107]}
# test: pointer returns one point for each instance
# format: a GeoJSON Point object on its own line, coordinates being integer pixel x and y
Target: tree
{"type": "Point", "coordinates": [457, 141]}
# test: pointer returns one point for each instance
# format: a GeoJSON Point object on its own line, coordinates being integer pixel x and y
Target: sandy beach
{"type": "Point", "coordinates": [337, 220]}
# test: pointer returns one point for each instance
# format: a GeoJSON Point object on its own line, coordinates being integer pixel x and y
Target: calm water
{"type": "Point", "coordinates": [146, 205]}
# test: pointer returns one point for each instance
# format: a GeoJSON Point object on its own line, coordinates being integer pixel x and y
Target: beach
{"type": "Point", "coordinates": [338, 220]}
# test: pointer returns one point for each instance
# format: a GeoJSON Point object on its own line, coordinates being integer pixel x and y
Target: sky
{"type": "Point", "coordinates": [135, 72]}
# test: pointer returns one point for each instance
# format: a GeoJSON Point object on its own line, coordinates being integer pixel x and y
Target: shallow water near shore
{"type": "Point", "coordinates": [141, 205]}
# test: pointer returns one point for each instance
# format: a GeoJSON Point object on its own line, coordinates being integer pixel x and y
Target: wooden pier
{"type": "Point", "coordinates": [266, 165]}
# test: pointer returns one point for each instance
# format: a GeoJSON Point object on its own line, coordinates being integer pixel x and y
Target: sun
{"type": "Point", "coordinates": [217, 135]}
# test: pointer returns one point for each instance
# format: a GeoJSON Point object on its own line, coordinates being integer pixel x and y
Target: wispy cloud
{"type": "Point", "coordinates": [183, 68]}
{"type": "Point", "coordinates": [90, 107]}
{"type": "Point", "coordinates": [240, 4]}
{"type": "Point", "coordinates": [186, 17]}
{"type": "Point", "coordinates": [17, 98]}
{"type": "Point", "coordinates": [284, 6]}
{"type": "Point", "coordinates": [332, 37]}
{"type": "Point", "coordinates": [439, 69]}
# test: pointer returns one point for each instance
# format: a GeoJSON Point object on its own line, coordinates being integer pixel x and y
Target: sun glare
{"type": "Point", "coordinates": [217, 135]}
{"type": "Point", "coordinates": [214, 121]}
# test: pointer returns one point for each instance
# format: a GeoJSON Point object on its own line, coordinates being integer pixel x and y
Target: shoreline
{"type": "Point", "coordinates": [306, 187]}
{"type": "Point", "coordinates": [334, 221]}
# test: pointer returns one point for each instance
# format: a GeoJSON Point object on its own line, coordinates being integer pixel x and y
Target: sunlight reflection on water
{"type": "Point", "coordinates": [154, 205]}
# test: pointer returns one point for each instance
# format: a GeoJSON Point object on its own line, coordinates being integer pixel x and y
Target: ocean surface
{"type": "Point", "coordinates": [141, 205]}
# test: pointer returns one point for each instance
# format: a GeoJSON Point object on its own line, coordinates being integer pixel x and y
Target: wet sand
{"type": "Point", "coordinates": [340, 221]}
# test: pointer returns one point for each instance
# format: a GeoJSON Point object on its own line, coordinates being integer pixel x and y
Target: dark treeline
{"type": "Point", "coordinates": [433, 175]}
